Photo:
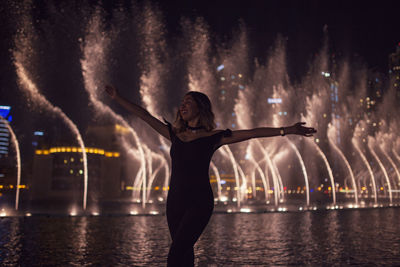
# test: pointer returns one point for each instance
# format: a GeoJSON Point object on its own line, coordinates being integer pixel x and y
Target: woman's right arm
{"type": "Point", "coordinates": [137, 110]}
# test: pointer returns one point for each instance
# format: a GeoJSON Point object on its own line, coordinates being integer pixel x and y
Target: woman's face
{"type": "Point", "coordinates": [188, 108]}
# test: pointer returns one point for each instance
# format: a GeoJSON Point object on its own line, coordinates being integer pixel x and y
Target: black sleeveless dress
{"type": "Point", "coordinates": [190, 199]}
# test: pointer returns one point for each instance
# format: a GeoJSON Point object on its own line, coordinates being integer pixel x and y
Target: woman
{"type": "Point", "coordinates": [190, 199]}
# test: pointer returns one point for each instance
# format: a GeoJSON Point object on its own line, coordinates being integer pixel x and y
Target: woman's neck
{"type": "Point", "coordinates": [195, 129]}
{"type": "Point", "coordinates": [193, 123]}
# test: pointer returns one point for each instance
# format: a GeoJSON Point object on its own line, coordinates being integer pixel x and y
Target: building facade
{"type": "Point", "coordinates": [394, 70]}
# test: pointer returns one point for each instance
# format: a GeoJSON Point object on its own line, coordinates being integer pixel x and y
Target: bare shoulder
{"type": "Point", "coordinates": [216, 131]}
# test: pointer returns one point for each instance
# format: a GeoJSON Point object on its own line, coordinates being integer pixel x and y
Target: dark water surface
{"type": "Point", "coordinates": [346, 237]}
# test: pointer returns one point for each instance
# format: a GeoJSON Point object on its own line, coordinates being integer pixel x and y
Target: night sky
{"type": "Point", "coordinates": [366, 31]}
{"type": "Point", "coordinates": [358, 31]}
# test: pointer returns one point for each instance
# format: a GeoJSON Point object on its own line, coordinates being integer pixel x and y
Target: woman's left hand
{"type": "Point", "coordinates": [299, 129]}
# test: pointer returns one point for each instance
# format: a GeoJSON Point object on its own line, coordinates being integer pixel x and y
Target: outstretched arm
{"type": "Point", "coordinates": [137, 110]}
{"type": "Point", "coordinates": [242, 135]}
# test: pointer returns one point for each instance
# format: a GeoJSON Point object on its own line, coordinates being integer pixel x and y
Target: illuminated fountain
{"type": "Point", "coordinates": [346, 164]}
{"type": "Point", "coordinates": [387, 179]}
{"type": "Point", "coordinates": [14, 140]}
{"type": "Point", "coordinates": [368, 166]}
{"type": "Point", "coordinates": [93, 67]}
{"type": "Point", "coordinates": [23, 56]}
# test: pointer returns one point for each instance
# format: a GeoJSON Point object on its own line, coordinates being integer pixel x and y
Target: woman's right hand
{"type": "Point", "coordinates": [111, 91]}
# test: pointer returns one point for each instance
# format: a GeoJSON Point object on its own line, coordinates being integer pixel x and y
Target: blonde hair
{"type": "Point", "coordinates": [206, 114]}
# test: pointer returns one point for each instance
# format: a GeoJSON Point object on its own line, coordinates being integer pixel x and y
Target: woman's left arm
{"type": "Point", "coordinates": [242, 135]}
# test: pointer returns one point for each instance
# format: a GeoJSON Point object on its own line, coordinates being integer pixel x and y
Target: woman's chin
{"type": "Point", "coordinates": [185, 118]}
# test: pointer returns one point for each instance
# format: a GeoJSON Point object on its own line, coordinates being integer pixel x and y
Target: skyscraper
{"type": "Point", "coordinates": [4, 133]}
{"type": "Point", "coordinates": [394, 70]}
{"type": "Point", "coordinates": [7, 165]}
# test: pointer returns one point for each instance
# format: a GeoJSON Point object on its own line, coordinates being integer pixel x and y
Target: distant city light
{"type": "Point", "coordinates": [223, 198]}
{"type": "Point", "coordinates": [274, 100]}
{"type": "Point", "coordinates": [38, 133]}
{"type": "Point", "coordinates": [245, 210]}
{"type": "Point", "coordinates": [3, 213]}
{"type": "Point", "coordinates": [76, 149]}
{"type": "Point", "coordinates": [4, 111]}
{"type": "Point", "coordinates": [326, 74]}
{"type": "Point", "coordinates": [220, 67]}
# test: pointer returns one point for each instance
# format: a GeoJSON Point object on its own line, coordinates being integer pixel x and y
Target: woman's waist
{"type": "Point", "coordinates": [182, 195]}
{"type": "Point", "coordinates": [190, 187]}
{"type": "Point", "coordinates": [190, 179]}
{"type": "Point", "coordinates": [184, 186]}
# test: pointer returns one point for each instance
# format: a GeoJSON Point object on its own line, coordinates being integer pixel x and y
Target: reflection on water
{"type": "Point", "coordinates": [362, 237]}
